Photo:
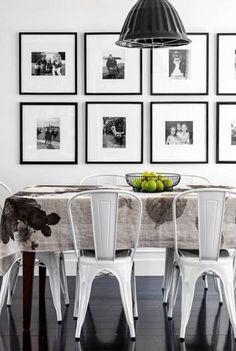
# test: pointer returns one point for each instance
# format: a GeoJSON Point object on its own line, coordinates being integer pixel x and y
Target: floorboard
{"type": "Point", "coordinates": [105, 326]}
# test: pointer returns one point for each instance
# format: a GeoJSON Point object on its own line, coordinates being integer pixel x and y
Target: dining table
{"type": "Point", "coordinates": [36, 219]}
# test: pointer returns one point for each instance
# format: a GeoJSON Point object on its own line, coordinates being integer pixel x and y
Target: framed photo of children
{"type": "Point", "coordinates": [48, 133]}
{"type": "Point", "coordinates": [114, 132]}
{"type": "Point", "coordinates": [226, 132]}
{"type": "Point", "coordinates": [181, 71]}
{"type": "Point", "coordinates": [48, 63]}
{"type": "Point", "coordinates": [179, 132]}
{"type": "Point", "coordinates": [110, 69]}
{"type": "Point", "coordinates": [226, 64]}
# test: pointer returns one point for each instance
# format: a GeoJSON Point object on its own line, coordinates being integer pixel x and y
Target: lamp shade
{"type": "Point", "coordinates": [153, 23]}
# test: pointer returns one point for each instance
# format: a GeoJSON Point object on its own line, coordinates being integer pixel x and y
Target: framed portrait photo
{"type": "Point", "coordinates": [110, 69]}
{"type": "Point", "coordinates": [48, 63]}
{"type": "Point", "coordinates": [226, 132]}
{"type": "Point", "coordinates": [226, 64]}
{"type": "Point", "coordinates": [114, 132]}
{"type": "Point", "coordinates": [179, 132]}
{"type": "Point", "coordinates": [181, 71]}
{"type": "Point", "coordinates": [48, 133]}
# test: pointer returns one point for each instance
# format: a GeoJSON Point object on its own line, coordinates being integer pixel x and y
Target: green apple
{"type": "Point", "coordinates": [159, 185]}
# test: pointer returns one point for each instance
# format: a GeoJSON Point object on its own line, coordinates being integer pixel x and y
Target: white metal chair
{"type": "Point", "coordinates": [186, 180]}
{"type": "Point", "coordinates": [193, 179]}
{"type": "Point", "coordinates": [104, 179]}
{"type": "Point", "coordinates": [55, 264]}
{"type": "Point", "coordinates": [190, 265]}
{"type": "Point", "coordinates": [104, 210]}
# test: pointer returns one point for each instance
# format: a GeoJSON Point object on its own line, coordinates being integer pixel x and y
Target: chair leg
{"type": "Point", "coordinates": [64, 285]}
{"type": "Point", "coordinates": [189, 278]}
{"type": "Point", "coordinates": [51, 261]}
{"type": "Point", "coordinates": [124, 279]}
{"type": "Point", "coordinates": [165, 273]}
{"type": "Point", "coordinates": [168, 274]}
{"type": "Point", "coordinates": [218, 289]}
{"type": "Point", "coordinates": [4, 288]}
{"type": "Point", "coordinates": [228, 285]}
{"type": "Point", "coordinates": [205, 278]}
{"type": "Point", "coordinates": [14, 270]}
{"type": "Point", "coordinates": [85, 281]}
{"type": "Point", "coordinates": [134, 293]}
{"type": "Point", "coordinates": [173, 291]}
{"type": "Point", "coordinates": [76, 304]}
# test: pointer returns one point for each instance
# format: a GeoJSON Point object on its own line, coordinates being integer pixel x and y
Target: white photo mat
{"type": "Point", "coordinates": [226, 70]}
{"type": "Point", "coordinates": [95, 152]}
{"type": "Point", "coordinates": [31, 115]}
{"type": "Point", "coordinates": [186, 112]}
{"type": "Point", "coordinates": [196, 81]}
{"type": "Point", "coordinates": [48, 43]}
{"type": "Point", "coordinates": [100, 44]}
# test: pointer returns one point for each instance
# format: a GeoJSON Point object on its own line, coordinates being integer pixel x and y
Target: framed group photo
{"type": "Point", "coordinates": [48, 133]}
{"type": "Point", "coordinates": [181, 71]}
{"type": "Point", "coordinates": [110, 69]}
{"type": "Point", "coordinates": [179, 132]}
{"type": "Point", "coordinates": [226, 64]}
{"type": "Point", "coordinates": [226, 132]}
{"type": "Point", "coordinates": [48, 63]}
{"type": "Point", "coordinates": [114, 132]}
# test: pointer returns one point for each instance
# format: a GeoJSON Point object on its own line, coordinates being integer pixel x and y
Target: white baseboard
{"type": "Point", "coordinates": [148, 261]}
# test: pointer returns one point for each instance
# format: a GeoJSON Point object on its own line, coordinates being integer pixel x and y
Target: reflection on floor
{"type": "Point", "coordinates": [105, 327]}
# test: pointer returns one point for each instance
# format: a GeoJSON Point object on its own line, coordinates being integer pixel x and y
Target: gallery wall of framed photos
{"type": "Point", "coordinates": [179, 132]}
{"type": "Point", "coordinates": [62, 84]}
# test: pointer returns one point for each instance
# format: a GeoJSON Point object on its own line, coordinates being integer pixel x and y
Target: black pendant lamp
{"type": "Point", "coordinates": [151, 24]}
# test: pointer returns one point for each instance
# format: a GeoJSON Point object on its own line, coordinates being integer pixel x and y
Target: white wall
{"type": "Point", "coordinates": [96, 15]}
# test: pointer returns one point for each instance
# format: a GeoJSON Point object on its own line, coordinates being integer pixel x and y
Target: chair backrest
{"type": "Point", "coordinates": [4, 192]}
{"type": "Point", "coordinates": [104, 209]}
{"type": "Point", "coordinates": [211, 207]}
{"type": "Point", "coordinates": [191, 179]}
{"type": "Point", "coordinates": [104, 179]}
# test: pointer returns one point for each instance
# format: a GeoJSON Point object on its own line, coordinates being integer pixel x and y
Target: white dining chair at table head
{"type": "Point", "coordinates": [104, 179]}
{"type": "Point", "coordinates": [105, 258]}
{"type": "Point", "coordinates": [190, 265]}
{"type": "Point", "coordinates": [54, 262]}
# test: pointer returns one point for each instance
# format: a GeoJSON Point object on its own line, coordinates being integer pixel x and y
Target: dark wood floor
{"type": "Point", "coordinates": [105, 326]}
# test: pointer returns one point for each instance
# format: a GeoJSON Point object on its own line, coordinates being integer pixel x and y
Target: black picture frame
{"type": "Point", "coordinates": [206, 136]}
{"type": "Point", "coordinates": [75, 161]}
{"type": "Point", "coordinates": [21, 90]}
{"type": "Point", "coordinates": [185, 93]}
{"type": "Point", "coordinates": [86, 92]}
{"type": "Point", "coordinates": [218, 128]}
{"type": "Point", "coordinates": [87, 161]}
{"type": "Point", "coordinates": [218, 90]}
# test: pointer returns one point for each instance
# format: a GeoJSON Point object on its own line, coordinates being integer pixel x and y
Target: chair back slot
{"type": "Point", "coordinates": [104, 214]}
{"type": "Point", "coordinates": [210, 219]}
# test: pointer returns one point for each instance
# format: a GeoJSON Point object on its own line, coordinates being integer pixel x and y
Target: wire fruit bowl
{"type": "Point", "coordinates": [152, 182]}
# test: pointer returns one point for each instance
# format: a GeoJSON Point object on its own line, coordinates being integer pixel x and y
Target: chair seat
{"type": "Point", "coordinates": [119, 253]}
{"type": "Point", "coordinates": [195, 253]}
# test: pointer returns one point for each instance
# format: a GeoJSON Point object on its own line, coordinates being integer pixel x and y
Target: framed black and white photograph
{"type": "Point", "coordinates": [114, 132]}
{"type": "Point", "coordinates": [48, 63]}
{"type": "Point", "coordinates": [179, 132]}
{"type": "Point", "coordinates": [226, 64]}
{"type": "Point", "coordinates": [226, 132]}
{"type": "Point", "coordinates": [181, 71]}
{"type": "Point", "coordinates": [110, 69]}
{"type": "Point", "coordinates": [48, 133]}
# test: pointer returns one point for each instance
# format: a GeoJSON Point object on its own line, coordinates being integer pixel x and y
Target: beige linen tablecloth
{"type": "Point", "coordinates": [36, 219]}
